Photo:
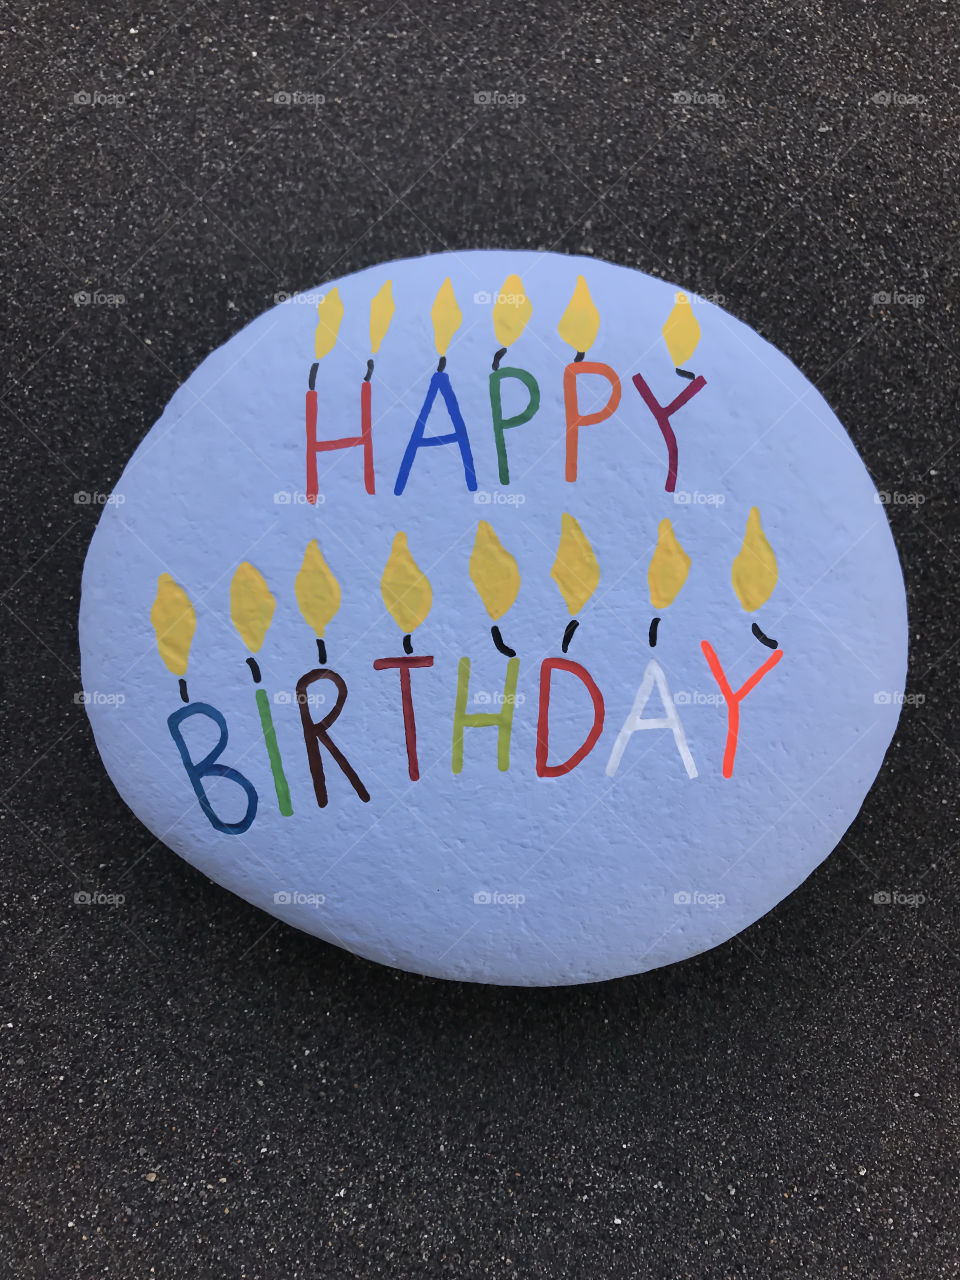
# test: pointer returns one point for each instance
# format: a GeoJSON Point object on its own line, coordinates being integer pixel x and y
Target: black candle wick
{"type": "Point", "coordinates": [569, 633]}
{"type": "Point", "coordinates": [771, 644]}
{"type": "Point", "coordinates": [501, 647]}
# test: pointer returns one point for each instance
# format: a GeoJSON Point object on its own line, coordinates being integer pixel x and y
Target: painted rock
{"type": "Point", "coordinates": [501, 616]}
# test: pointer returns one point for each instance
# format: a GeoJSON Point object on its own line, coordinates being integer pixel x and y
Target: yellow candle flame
{"type": "Point", "coordinates": [580, 323]}
{"type": "Point", "coordinates": [329, 315]}
{"type": "Point", "coordinates": [251, 605]}
{"type": "Point", "coordinates": [174, 620]}
{"type": "Point", "coordinates": [511, 311]}
{"type": "Point", "coordinates": [681, 331]}
{"type": "Point", "coordinates": [317, 590]}
{"type": "Point", "coordinates": [754, 571]}
{"type": "Point", "coordinates": [575, 570]}
{"type": "Point", "coordinates": [381, 313]}
{"type": "Point", "coordinates": [494, 571]}
{"type": "Point", "coordinates": [446, 317]}
{"type": "Point", "coordinates": [668, 569]}
{"type": "Point", "coordinates": [405, 589]}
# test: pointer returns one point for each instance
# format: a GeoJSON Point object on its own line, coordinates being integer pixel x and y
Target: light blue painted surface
{"type": "Point", "coordinates": [598, 861]}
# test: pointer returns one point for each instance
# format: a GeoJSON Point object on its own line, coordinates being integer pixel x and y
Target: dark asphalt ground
{"type": "Point", "coordinates": [190, 1090]}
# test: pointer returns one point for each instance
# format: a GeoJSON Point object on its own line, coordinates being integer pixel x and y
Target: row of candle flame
{"type": "Point", "coordinates": [408, 596]}
{"type": "Point", "coordinates": [512, 310]}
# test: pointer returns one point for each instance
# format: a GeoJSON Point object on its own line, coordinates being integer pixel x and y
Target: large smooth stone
{"type": "Point", "coordinates": [642, 852]}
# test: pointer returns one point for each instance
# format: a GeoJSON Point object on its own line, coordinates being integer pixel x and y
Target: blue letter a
{"type": "Point", "coordinates": [440, 382]}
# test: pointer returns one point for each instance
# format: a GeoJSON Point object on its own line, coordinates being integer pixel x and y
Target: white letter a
{"type": "Point", "coordinates": [635, 720]}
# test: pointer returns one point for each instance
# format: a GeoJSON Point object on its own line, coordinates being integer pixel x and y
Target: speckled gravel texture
{"type": "Point", "coordinates": [191, 1090]}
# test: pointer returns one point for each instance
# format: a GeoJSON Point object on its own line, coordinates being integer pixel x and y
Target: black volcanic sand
{"type": "Point", "coordinates": [191, 1090]}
